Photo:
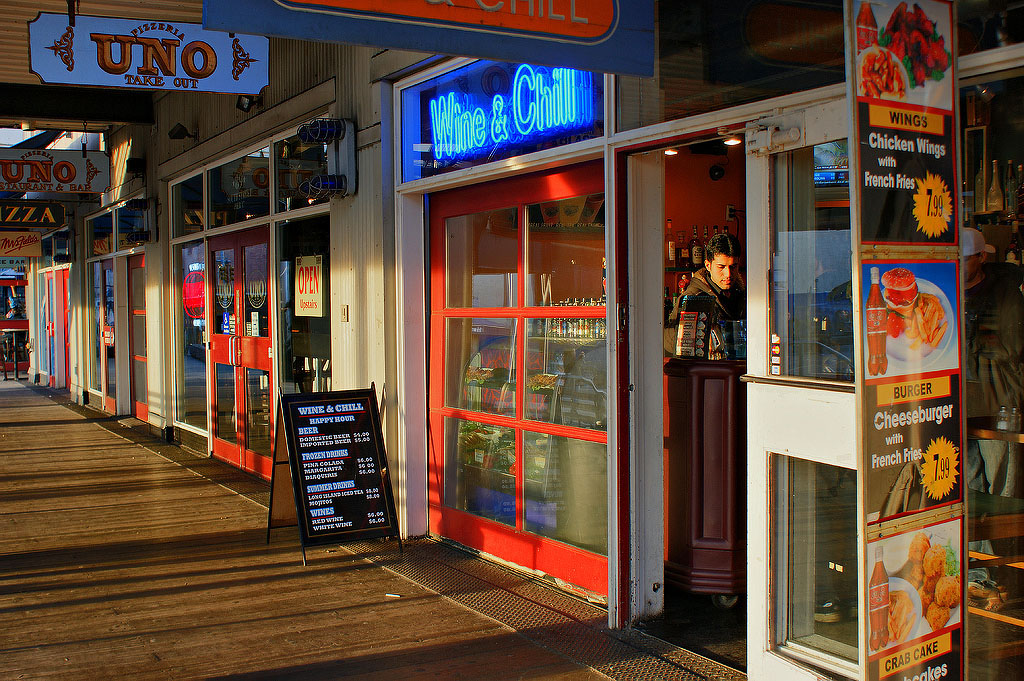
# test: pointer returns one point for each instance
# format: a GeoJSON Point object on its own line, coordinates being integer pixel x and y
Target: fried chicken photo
{"type": "Point", "coordinates": [947, 592]}
{"type": "Point", "coordinates": [919, 545]}
{"type": "Point", "coordinates": [934, 562]}
{"type": "Point", "coordinates": [937, 616]}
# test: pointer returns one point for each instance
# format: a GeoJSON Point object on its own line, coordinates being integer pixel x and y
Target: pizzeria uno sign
{"type": "Point", "coordinates": [52, 170]}
{"type": "Point", "coordinates": [146, 54]}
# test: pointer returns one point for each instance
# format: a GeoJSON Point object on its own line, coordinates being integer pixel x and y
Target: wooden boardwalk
{"type": "Point", "coordinates": [116, 563]}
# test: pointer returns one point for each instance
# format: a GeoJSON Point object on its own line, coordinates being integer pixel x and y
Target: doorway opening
{"type": "Point", "coordinates": [703, 246]}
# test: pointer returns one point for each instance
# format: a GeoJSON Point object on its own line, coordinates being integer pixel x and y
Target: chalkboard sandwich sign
{"type": "Point", "coordinates": [338, 467]}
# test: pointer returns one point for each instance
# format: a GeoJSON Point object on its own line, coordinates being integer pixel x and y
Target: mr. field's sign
{"type": "Point", "coordinates": [52, 170]}
{"type": "Point", "coordinates": [156, 55]}
{"type": "Point", "coordinates": [35, 214]}
{"type": "Point", "coordinates": [21, 244]}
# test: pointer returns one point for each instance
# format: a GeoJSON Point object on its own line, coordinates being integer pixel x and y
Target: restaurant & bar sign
{"type": "Point", "coordinates": [145, 54]}
{"type": "Point", "coordinates": [54, 170]}
{"type": "Point", "coordinates": [598, 35]}
{"type": "Point", "coordinates": [903, 179]}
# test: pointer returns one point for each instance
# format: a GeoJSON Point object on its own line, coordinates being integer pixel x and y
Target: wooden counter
{"type": "Point", "coordinates": [705, 475]}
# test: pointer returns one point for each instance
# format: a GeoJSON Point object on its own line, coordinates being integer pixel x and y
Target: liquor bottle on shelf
{"type": "Point", "coordinates": [706, 237]}
{"type": "Point", "coordinates": [671, 243]}
{"type": "Point", "coordinates": [696, 247]}
{"type": "Point", "coordinates": [682, 250]}
{"type": "Point", "coordinates": [979, 190]}
{"type": "Point", "coordinates": [1013, 249]}
{"type": "Point", "coordinates": [1010, 188]}
{"type": "Point", "coordinates": [994, 196]}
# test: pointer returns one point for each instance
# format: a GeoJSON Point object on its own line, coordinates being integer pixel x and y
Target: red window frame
{"type": "Point", "coordinates": [574, 565]}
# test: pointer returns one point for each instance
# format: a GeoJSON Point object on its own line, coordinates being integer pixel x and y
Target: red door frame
{"type": "Point", "coordinates": [139, 408]}
{"type": "Point", "coordinates": [109, 403]}
{"type": "Point", "coordinates": [15, 324]}
{"type": "Point", "coordinates": [50, 326]}
{"type": "Point", "coordinates": [66, 298]}
{"type": "Point", "coordinates": [238, 350]}
{"type": "Point", "coordinates": [576, 566]}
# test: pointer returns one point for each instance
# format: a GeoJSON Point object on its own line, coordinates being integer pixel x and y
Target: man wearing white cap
{"type": "Point", "coordinates": [994, 375]}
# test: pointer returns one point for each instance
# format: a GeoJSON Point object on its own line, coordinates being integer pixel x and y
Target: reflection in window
{"type": "Point", "coordinates": [187, 206]}
{"type": "Point", "coordinates": [131, 226]}
{"type": "Point", "coordinates": [96, 328]}
{"type": "Point", "coordinates": [566, 490]}
{"type": "Point", "coordinates": [566, 252]}
{"type": "Point", "coordinates": [566, 372]}
{"type": "Point", "coordinates": [812, 305]}
{"type": "Point", "coordinates": [716, 54]}
{"type": "Point", "coordinates": [817, 556]}
{"type": "Point", "coordinates": [12, 302]}
{"type": "Point", "coordinates": [480, 469]}
{"type": "Point", "coordinates": [101, 234]}
{"type": "Point", "coordinates": [191, 364]}
{"type": "Point", "coordinates": [296, 162]}
{"type": "Point", "coordinates": [481, 369]}
{"type": "Point", "coordinates": [482, 257]}
{"type": "Point", "coordinates": [240, 189]}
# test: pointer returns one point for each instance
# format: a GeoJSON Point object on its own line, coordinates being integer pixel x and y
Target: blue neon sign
{"type": "Point", "coordinates": [488, 111]}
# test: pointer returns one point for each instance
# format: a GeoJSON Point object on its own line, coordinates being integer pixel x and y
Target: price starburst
{"type": "Point", "coordinates": [940, 468]}
{"type": "Point", "coordinates": [933, 206]}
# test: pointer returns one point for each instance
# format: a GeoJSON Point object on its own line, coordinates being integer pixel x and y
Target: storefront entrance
{"type": "Point", "coordinates": [518, 394]}
{"type": "Point", "coordinates": [240, 349]}
{"type": "Point", "coordinates": [105, 355]}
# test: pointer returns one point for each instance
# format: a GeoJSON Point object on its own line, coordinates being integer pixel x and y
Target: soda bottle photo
{"type": "Point", "coordinates": [875, 316]}
{"type": "Point", "coordinates": [878, 603]}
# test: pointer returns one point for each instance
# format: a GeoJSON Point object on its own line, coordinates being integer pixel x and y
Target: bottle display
{"type": "Point", "coordinates": [979, 190]}
{"type": "Point", "coordinates": [671, 243]}
{"type": "Point", "coordinates": [696, 247]}
{"type": "Point", "coordinates": [994, 196]}
{"type": "Point", "coordinates": [875, 316]}
{"type": "Point", "coordinates": [1010, 188]}
{"type": "Point", "coordinates": [1019, 207]}
{"type": "Point", "coordinates": [878, 603]}
{"type": "Point", "coordinates": [1013, 248]}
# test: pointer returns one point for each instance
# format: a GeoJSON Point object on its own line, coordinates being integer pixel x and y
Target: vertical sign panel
{"type": "Point", "coordinates": [903, 183]}
{"type": "Point", "coordinates": [309, 279]}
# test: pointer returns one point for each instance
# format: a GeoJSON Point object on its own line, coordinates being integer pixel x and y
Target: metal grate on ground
{"type": "Point", "coordinates": [560, 622]}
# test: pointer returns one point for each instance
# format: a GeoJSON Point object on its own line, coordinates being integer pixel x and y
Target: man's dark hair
{"type": "Point", "coordinates": [724, 244]}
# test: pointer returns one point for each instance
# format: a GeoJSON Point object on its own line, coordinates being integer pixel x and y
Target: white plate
{"type": "Point", "coordinates": [924, 357]}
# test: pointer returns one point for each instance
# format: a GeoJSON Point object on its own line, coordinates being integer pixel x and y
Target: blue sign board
{"type": "Point", "coordinates": [487, 111]}
{"type": "Point", "coordinates": [613, 36]}
{"type": "Point", "coordinates": [146, 54]}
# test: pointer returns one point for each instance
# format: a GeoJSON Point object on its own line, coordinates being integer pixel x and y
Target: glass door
{"type": "Point", "coordinates": [240, 349]}
{"type": "Point", "coordinates": [801, 397]}
{"type": "Point", "coordinates": [51, 328]}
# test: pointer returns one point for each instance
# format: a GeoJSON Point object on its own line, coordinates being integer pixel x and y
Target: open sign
{"type": "Point", "coordinates": [309, 280]}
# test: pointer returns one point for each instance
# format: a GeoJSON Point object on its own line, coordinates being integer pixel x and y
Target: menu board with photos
{"type": "Point", "coordinates": [902, 180]}
{"type": "Point", "coordinates": [338, 466]}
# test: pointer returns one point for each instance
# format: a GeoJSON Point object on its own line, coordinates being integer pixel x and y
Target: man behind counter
{"type": "Point", "coordinates": [720, 277]}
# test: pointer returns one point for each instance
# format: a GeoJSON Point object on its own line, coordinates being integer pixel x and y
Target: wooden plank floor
{"type": "Point", "coordinates": [118, 564]}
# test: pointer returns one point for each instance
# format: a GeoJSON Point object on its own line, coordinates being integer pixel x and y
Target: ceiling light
{"type": "Point", "coordinates": [671, 152]}
{"type": "Point", "coordinates": [732, 141]}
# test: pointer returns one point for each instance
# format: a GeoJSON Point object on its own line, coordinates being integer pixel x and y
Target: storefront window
{"type": "Point", "coordinates": [304, 285]}
{"type": "Point", "coordinates": [61, 247]}
{"type": "Point", "coordinates": [190, 395]}
{"type": "Point", "coordinates": [565, 263]}
{"type": "Point", "coordinates": [101, 234]}
{"type": "Point", "coordinates": [187, 206]}
{"type": "Point", "coordinates": [131, 227]}
{"type": "Point", "coordinates": [812, 306]}
{"type": "Point", "coordinates": [816, 559]}
{"type": "Point", "coordinates": [110, 321]}
{"type": "Point", "coordinates": [47, 249]}
{"type": "Point", "coordinates": [487, 111]}
{"type": "Point", "coordinates": [520, 386]}
{"type": "Point", "coordinates": [993, 365]}
{"type": "Point", "coordinates": [240, 189]}
{"type": "Point", "coordinates": [482, 259]}
{"type": "Point", "coordinates": [12, 302]}
{"type": "Point", "coordinates": [714, 55]}
{"type": "Point", "coordinates": [296, 162]}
